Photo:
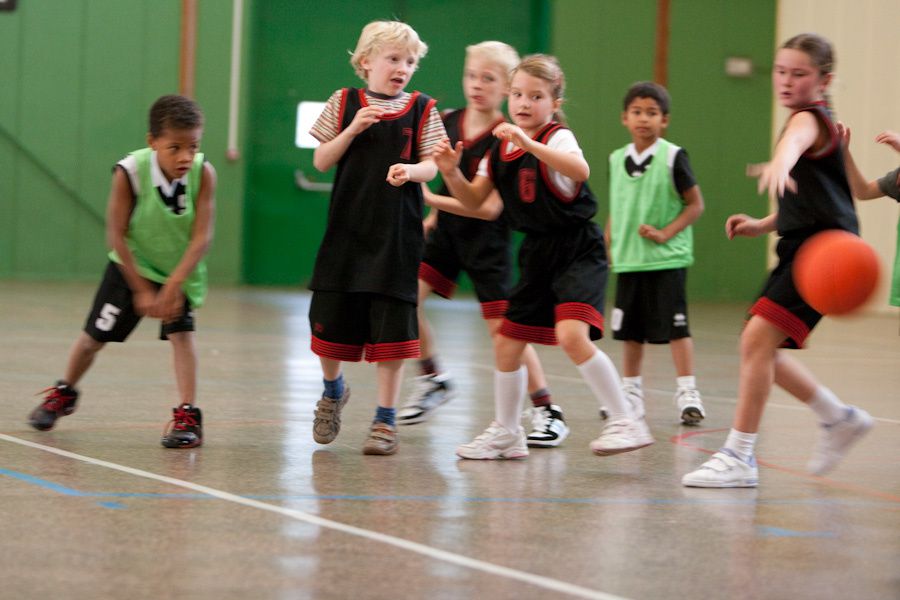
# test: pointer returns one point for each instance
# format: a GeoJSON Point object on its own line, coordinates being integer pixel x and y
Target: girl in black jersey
{"type": "Point", "coordinates": [479, 246]}
{"type": "Point", "coordinates": [537, 167]}
{"type": "Point", "coordinates": [806, 176]}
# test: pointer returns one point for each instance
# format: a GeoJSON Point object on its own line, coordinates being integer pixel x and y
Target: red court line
{"type": "Point", "coordinates": [680, 441]}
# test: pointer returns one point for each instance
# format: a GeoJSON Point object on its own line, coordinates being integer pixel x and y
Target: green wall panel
{"type": "Point", "coordinates": [85, 74]}
{"type": "Point", "coordinates": [722, 122]}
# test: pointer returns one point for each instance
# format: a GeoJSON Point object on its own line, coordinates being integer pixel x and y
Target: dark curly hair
{"type": "Point", "coordinates": [174, 112]}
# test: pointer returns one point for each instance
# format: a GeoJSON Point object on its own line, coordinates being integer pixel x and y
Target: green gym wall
{"type": "Point", "coordinates": [78, 78]}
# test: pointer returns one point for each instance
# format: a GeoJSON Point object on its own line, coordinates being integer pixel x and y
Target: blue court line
{"type": "Point", "coordinates": [764, 531]}
{"type": "Point", "coordinates": [61, 489]}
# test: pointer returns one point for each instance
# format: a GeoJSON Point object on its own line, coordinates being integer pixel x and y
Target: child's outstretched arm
{"type": "Point", "coordinates": [800, 135]}
{"type": "Point", "coordinates": [693, 208]}
{"type": "Point", "coordinates": [472, 194]}
{"type": "Point", "coordinates": [859, 187]}
{"type": "Point", "coordinates": [327, 154]}
{"type": "Point", "coordinates": [118, 216]}
{"type": "Point", "coordinates": [170, 300]}
{"type": "Point", "coordinates": [568, 164]}
{"type": "Point", "coordinates": [891, 138]}
{"type": "Point", "coordinates": [489, 210]}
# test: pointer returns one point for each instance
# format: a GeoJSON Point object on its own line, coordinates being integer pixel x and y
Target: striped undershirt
{"type": "Point", "coordinates": [326, 126]}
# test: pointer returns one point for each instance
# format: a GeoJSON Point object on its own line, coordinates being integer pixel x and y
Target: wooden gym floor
{"type": "Point", "coordinates": [97, 508]}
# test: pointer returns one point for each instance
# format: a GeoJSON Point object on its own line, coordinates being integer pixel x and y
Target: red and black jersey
{"type": "Point", "coordinates": [493, 234]}
{"type": "Point", "coordinates": [373, 241]}
{"type": "Point", "coordinates": [823, 199]}
{"type": "Point", "coordinates": [531, 202]}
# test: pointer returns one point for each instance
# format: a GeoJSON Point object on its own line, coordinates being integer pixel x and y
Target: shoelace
{"type": "Point", "coordinates": [55, 401]}
{"type": "Point", "coordinates": [181, 420]}
{"type": "Point", "coordinates": [422, 391]}
{"type": "Point", "coordinates": [488, 433]}
{"type": "Point", "coordinates": [540, 419]}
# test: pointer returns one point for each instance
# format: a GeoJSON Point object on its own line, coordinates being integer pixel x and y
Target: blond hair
{"type": "Point", "coordinates": [378, 35]}
{"type": "Point", "coordinates": [497, 53]}
{"type": "Point", "coordinates": [546, 67]}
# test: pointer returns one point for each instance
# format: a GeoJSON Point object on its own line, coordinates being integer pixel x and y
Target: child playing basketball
{"type": "Point", "coordinates": [539, 171]}
{"type": "Point", "coordinates": [888, 185]}
{"type": "Point", "coordinates": [653, 200]}
{"type": "Point", "coordinates": [806, 176]}
{"type": "Point", "coordinates": [480, 247]}
{"type": "Point", "coordinates": [364, 281]}
{"type": "Point", "coordinates": [159, 226]}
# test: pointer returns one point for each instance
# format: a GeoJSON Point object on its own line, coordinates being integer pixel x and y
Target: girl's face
{"type": "Point", "coordinates": [389, 69]}
{"type": "Point", "coordinates": [484, 85]}
{"type": "Point", "coordinates": [531, 102]}
{"type": "Point", "coordinates": [175, 150]}
{"type": "Point", "coordinates": [796, 80]}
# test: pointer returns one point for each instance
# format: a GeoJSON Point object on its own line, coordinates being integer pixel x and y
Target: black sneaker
{"type": "Point", "coordinates": [185, 430]}
{"type": "Point", "coordinates": [59, 402]}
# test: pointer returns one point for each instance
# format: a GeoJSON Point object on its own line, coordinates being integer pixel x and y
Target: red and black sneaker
{"type": "Point", "coordinates": [185, 430]}
{"type": "Point", "coordinates": [59, 402]}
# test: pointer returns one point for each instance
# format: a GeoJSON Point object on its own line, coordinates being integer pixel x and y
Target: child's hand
{"type": "Point", "coordinates": [144, 301]}
{"type": "Point", "coordinates": [773, 177]}
{"type": "Point", "coordinates": [891, 138]}
{"type": "Point", "coordinates": [431, 221]}
{"type": "Point", "coordinates": [742, 224]}
{"type": "Point", "coordinates": [844, 135]}
{"type": "Point", "coordinates": [365, 118]}
{"type": "Point", "coordinates": [445, 156]}
{"type": "Point", "coordinates": [169, 303]}
{"type": "Point", "coordinates": [512, 133]}
{"type": "Point", "coordinates": [398, 174]}
{"type": "Point", "coordinates": [652, 233]}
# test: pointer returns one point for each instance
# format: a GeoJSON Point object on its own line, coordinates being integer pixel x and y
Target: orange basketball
{"type": "Point", "coordinates": [836, 272]}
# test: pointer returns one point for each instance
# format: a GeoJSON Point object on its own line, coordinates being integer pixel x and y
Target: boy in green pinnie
{"type": "Point", "coordinates": [653, 200]}
{"type": "Point", "coordinates": [159, 227]}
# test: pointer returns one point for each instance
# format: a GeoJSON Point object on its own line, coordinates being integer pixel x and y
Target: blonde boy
{"type": "Point", "coordinates": [364, 282]}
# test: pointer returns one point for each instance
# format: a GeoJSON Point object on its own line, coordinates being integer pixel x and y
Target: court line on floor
{"type": "Point", "coordinates": [546, 583]}
{"type": "Point", "coordinates": [680, 438]}
{"type": "Point", "coordinates": [69, 491]}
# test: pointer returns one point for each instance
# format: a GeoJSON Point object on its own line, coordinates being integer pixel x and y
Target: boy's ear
{"type": "Point", "coordinates": [624, 117]}
{"type": "Point", "coordinates": [665, 120]}
{"type": "Point", "coordinates": [150, 140]}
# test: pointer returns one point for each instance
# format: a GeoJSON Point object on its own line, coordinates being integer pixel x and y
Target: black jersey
{"type": "Point", "coordinates": [373, 241]}
{"type": "Point", "coordinates": [823, 199]}
{"type": "Point", "coordinates": [531, 202]}
{"type": "Point", "coordinates": [495, 232]}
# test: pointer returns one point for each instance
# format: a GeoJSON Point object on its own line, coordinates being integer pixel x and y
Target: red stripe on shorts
{"type": "Point", "coordinates": [393, 351]}
{"type": "Point", "coordinates": [442, 286]}
{"type": "Point", "coordinates": [529, 333]}
{"type": "Point", "coordinates": [336, 351]}
{"type": "Point", "coordinates": [579, 311]}
{"type": "Point", "coordinates": [781, 318]}
{"type": "Point", "coordinates": [495, 309]}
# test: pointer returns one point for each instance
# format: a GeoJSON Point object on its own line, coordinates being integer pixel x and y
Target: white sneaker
{"type": "Point", "coordinates": [496, 442]}
{"type": "Point", "coordinates": [836, 439]}
{"type": "Point", "coordinates": [689, 405]}
{"type": "Point", "coordinates": [429, 392]}
{"type": "Point", "coordinates": [548, 428]}
{"type": "Point", "coordinates": [635, 397]}
{"type": "Point", "coordinates": [724, 470]}
{"type": "Point", "coordinates": [623, 435]}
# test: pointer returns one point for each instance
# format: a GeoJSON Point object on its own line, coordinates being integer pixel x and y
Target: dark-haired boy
{"type": "Point", "coordinates": [159, 227]}
{"type": "Point", "coordinates": [653, 200]}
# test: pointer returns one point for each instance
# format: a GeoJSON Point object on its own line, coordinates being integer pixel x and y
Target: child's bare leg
{"type": "Point", "coordinates": [331, 369]}
{"type": "Point", "coordinates": [81, 357]}
{"type": "Point", "coordinates": [537, 380]}
{"type": "Point", "coordinates": [184, 354]}
{"type": "Point", "coordinates": [683, 356]}
{"type": "Point", "coordinates": [426, 335]}
{"type": "Point", "coordinates": [632, 358]}
{"type": "Point", "coordinates": [389, 374]}
{"type": "Point", "coordinates": [760, 341]}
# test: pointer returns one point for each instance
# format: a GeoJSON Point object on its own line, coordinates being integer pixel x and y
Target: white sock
{"type": "Point", "coordinates": [686, 381]}
{"type": "Point", "coordinates": [509, 397]}
{"type": "Point", "coordinates": [741, 444]}
{"type": "Point", "coordinates": [636, 381]}
{"type": "Point", "coordinates": [827, 406]}
{"type": "Point", "coordinates": [601, 376]}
